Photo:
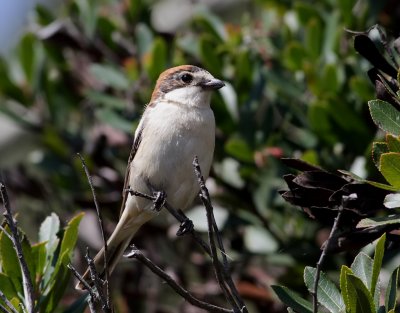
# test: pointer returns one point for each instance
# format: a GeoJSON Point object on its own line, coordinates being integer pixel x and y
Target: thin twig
{"type": "Point", "coordinates": [101, 224]}
{"type": "Point", "coordinates": [324, 251]}
{"type": "Point", "coordinates": [7, 302]}
{"type": "Point", "coordinates": [138, 255]}
{"type": "Point", "coordinates": [26, 278]}
{"type": "Point", "coordinates": [221, 270]}
{"type": "Point", "coordinates": [82, 280]}
{"type": "Point", "coordinates": [95, 277]}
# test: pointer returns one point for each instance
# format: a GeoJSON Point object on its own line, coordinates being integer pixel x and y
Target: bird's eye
{"type": "Point", "coordinates": [187, 78]}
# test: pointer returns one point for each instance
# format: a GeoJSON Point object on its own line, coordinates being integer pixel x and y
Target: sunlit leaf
{"type": "Point", "coordinates": [390, 168]}
{"type": "Point", "coordinates": [328, 294]}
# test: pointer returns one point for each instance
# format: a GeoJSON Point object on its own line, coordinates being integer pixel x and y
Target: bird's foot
{"type": "Point", "coordinates": [185, 227]}
{"type": "Point", "coordinates": [159, 200]}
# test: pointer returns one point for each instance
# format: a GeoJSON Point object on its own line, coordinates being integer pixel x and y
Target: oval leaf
{"type": "Point", "coordinates": [390, 168]}
{"type": "Point", "coordinates": [385, 115]}
{"type": "Point", "coordinates": [328, 294]}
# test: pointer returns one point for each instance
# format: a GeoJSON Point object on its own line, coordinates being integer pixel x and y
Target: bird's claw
{"type": "Point", "coordinates": [159, 200]}
{"type": "Point", "coordinates": [185, 227]}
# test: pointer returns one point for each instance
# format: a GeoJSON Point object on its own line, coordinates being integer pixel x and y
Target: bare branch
{"type": "Point", "coordinates": [82, 280]}
{"type": "Point", "coordinates": [324, 252]}
{"type": "Point", "coordinates": [138, 255]}
{"type": "Point", "coordinates": [27, 282]}
{"type": "Point", "coordinates": [101, 224]}
{"type": "Point", "coordinates": [221, 270]}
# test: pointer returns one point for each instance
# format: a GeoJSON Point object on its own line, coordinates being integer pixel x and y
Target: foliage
{"type": "Point", "coordinates": [359, 287]}
{"type": "Point", "coordinates": [78, 82]}
{"type": "Point", "coordinates": [47, 263]}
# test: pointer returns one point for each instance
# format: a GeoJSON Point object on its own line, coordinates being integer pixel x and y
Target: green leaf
{"type": "Point", "coordinates": [39, 254]}
{"type": "Point", "coordinates": [7, 287]}
{"type": "Point", "coordinates": [386, 116]}
{"type": "Point", "coordinates": [109, 76]}
{"type": "Point", "coordinates": [328, 294]}
{"type": "Point", "coordinates": [9, 261]}
{"type": "Point", "coordinates": [391, 291]}
{"type": "Point", "coordinates": [294, 56]}
{"type": "Point", "coordinates": [112, 118]}
{"type": "Point", "coordinates": [362, 268]}
{"type": "Point", "coordinates": [209, 55]}
{"type": "Point", "coordinates": [314, 37]}
{"type": "Point", "coordinates": [344, 285]}
{"type": "Point", "coordinates": [393, 143]}
{"type": "Point", "coordinates": [377, 264]}
{"type": "Point", "coordinates": [378, 148]}
{"type": "Point", "coordinates": [239, 149]}
{"type": "Point", "coordinates": [392, 201]}
{"type": "Point", "coordinates": [360, 298]}
{"type": "Point", "coordinates": [71, 235]}
{"type": "Point", "coordinates": [292, 299]}
{"type": "Point", "coordinates": [156, 62]}
{"type": "Point", "coordinates": [379, 221]}
{"type": "Point", "coordinates": [106, 100]}
{"type": "Point", "coordinates": [390, 168]}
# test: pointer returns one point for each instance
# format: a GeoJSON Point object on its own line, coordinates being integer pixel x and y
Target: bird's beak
{"type": "Point", "coordinates": [213, 84]}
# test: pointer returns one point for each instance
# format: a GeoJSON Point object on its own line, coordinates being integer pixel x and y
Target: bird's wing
{"type": "Point", "coordinates": [135, 147]}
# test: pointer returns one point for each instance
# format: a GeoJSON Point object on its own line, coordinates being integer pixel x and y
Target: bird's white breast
{"type": "Point", "coordinates": [172, 136]}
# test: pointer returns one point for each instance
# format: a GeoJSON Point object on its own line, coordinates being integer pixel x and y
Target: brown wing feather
{"type": "Point", "coordinates": [135, 146]}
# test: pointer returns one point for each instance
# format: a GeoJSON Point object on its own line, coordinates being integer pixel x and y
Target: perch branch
{"type": "Point", "coordinates": [222, 271]}
{"type": "Point", "coordinates": [138, 255]}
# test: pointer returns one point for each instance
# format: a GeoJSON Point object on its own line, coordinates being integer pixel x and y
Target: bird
{"type": "Point", "coordinates": [177, 125]}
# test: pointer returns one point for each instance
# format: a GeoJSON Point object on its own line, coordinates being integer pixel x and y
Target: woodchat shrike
{"type": "Point", "coordinates": [177, 125]}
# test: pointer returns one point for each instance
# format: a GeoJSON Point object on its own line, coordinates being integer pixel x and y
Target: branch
{"type": "Point", "coordinates": [27, 282]}
{"type": "Point", "coordinates": [138, 255]}
{"type": "Point", "coordinates": [326, 247]}
{"type": "Point", "coordinates": [222, 271]}
{"type": "Point", "coordinates": [101, 224]}
{"type": "Point", "coordinates": [92, 295]}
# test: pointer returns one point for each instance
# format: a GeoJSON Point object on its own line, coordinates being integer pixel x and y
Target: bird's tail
{"type": "Point", "coordinates": [116, 246]}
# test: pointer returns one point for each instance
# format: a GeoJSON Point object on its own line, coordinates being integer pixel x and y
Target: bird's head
{"type": "Point", "coordinates": [186, 84]}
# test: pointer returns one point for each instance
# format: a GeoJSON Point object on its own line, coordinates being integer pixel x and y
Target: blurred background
{"type": "Point", "coordinates": [75, 76]}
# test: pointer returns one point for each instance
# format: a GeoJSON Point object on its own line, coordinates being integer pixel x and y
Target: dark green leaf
{"type": "Point", "coordinates": [378, 257]}
{"type": "Point", "coordinates": [239, 149]}
{"type": "Point", "coordinates": [292, 299]}
{"type": "Point", "coordinates": [157, 59]}
{"type": "Point", "coordinates": [378, 148]}
{"type": "Point", "coordinates": [386, 116]}
{"type": "Point", "coordinates": [391, 291]}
